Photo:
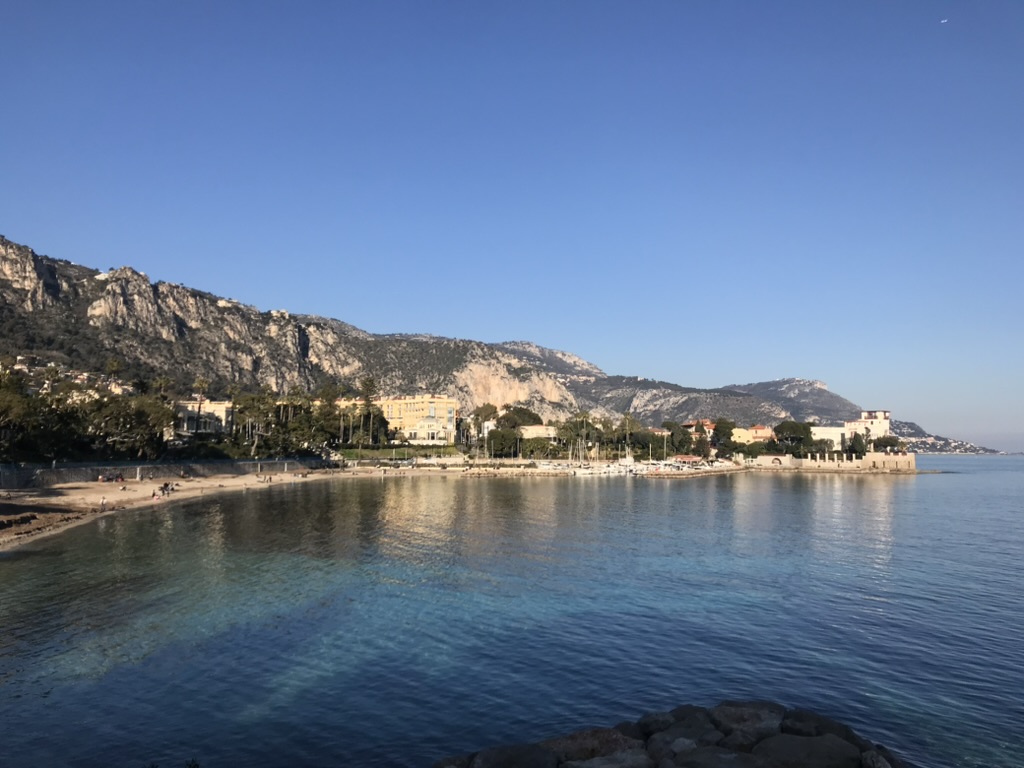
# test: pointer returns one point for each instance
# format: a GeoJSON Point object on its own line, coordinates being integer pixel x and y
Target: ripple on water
{"type": "Point", "coordinates": [386, 623]}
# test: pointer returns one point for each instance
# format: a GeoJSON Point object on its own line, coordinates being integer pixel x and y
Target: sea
{"type": "Point", "coordinates": [390, 621]}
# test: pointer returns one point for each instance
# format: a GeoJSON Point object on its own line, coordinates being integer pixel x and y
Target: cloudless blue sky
{"type": "Point", "coordinates": [702, 192]}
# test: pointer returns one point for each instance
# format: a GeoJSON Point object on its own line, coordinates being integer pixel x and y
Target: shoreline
{"type": "Point", "coordinates": [58, 508]}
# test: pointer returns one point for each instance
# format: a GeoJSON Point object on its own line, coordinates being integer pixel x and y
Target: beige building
{"type": "Point", "coordinates": [544, 431]}
{"type": "Point", "coordinates": [203, 416]}
{"type": "Point", "coordinates": [708, 424]}
{"type": "Point", "coordinates": [422, 419]}
{"type": "Point", "coordinates": [755, 434]}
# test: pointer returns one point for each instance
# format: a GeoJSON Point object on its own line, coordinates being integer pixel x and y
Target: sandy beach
{"type": "Point", "coordinates": [33, 513]}
{"type": "Point", "coordinates": [39, 512]}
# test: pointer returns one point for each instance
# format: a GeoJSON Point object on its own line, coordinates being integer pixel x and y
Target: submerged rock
{"type": "Point", "coordinates": [591, 743]}
{"type": "Point", "coordinates": [745, 723]}
{"type": "Point", "coordinates": [828, 751]}
{"type": "Point", "coordinates": [733, 734]}
{"type": "Point", "coordinates": [515, 756]}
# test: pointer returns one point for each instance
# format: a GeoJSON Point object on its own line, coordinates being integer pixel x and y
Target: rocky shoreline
{"type": "Point", "coordinates": [734, 734]}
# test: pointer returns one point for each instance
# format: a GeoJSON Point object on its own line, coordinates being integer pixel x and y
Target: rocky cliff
{"type": "Point", "coordinates": [84, 318]}
{"type": "Point", "coordinates": [803, 399]}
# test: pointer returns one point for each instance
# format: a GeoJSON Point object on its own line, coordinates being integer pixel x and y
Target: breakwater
{"type": "Point", "coordinates": [734, 734]}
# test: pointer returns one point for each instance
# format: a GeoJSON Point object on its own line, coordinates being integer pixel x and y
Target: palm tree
{"type": "Point", "coordinates": [200, 386]}
{"type": "Point", "coordinates": [162, 384]}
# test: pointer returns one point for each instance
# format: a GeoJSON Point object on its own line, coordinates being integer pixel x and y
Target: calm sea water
{"type": "Point", "coordinates": [390, 622]}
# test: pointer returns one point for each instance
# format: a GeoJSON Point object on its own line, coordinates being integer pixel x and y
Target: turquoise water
{"type": "Point", "coordinates": [389, 622]}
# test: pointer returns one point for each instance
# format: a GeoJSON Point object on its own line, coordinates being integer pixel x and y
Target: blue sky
{"type": "Point", "coordinates": [706, 193]}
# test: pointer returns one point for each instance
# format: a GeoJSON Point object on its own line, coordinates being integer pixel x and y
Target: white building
{"type": "Point", "coordinates": [870, 425]}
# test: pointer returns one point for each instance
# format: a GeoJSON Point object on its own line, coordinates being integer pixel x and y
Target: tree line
{"type": "Point", "coordinates": [605, 437]}
{"type": "Point", "coordinates": [45, 417]}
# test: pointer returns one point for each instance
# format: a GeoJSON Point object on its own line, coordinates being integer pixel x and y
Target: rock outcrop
{"type": "Point", "coordinates": [84, 319]}
{"type": "Point", "coordinates": [734, 734]}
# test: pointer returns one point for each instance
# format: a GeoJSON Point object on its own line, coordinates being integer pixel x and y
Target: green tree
{"type": "Point", "coordinates": [518, 416]}
{"type": "Point", "coordinates": [681, 439]}
{"type": "Point", "coordinates": [722, 433]}
{"type": "Point", "coordinates": [628, 428]}
{"type": "Point", "coordinates": [60, 425]}
{"type": "Point", "coordinates": [163, 386]}
{"type": "Point", "coordinates": [349, 421]}
{"type": "Point", "coordinates": [794, 437]}
{"type": "Point", "coordinates": [721, 437]}
{"type": "Point", "coordinates": [502, 442]}
{"type": "Point", "coordinates": [298, 429]}
{"type": "Point", "coordinates": [327, 417]}
{"type": "Point", "coordinates": [129, 426]}
{"type": "Point", "coordinates": [368, 393]}
{"type": "Point", "coordinates": [752, 450]}
{"type": "Point", "coordinates": [888, 443]}
{"type": "Point", "coordinates": [537, 448]}
{"type": "Point", "coordinates": [17, 416]}
{"type": "Point", "coordinates": [581, 433]}
{"type": "Point", "coordinates": [255, 419]}
{"type": "Point", "coordinates": [857, 446]}
{"type": "Point", "coordinates": [702, 446]}
{"type": "Point", "coordinates": [482, 414]}
{"type": "Point", "coordinates": [821, 446]}
{"type": "Point", "coordinates": [200, 387]}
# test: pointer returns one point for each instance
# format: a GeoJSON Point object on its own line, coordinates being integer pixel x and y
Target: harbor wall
{"type": "Point", "coordinates": [836, 461]}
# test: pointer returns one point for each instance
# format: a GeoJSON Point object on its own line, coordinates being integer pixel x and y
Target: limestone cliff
{"type": "Point", "coordinates": [804, 399]}
{"type": "Point", "coordinates": [83, 318]}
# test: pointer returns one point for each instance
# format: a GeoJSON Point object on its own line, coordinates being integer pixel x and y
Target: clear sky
{"type": "Point", "coordinates": [702, 192]}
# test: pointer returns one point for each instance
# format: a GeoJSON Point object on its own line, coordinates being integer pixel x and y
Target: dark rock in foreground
{"type": "Point", "coordinates": [735, 734]}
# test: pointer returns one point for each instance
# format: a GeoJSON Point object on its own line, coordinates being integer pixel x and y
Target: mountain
{"type": "Point", "coordinates": [86, 319]}
{"type": "Point", "coordinates": [804, 399]}
{"type": "Point", "coordinates": [82, 318]}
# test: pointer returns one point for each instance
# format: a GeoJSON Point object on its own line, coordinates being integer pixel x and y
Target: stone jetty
{"type": "Point", "coordinates": [734, 734]}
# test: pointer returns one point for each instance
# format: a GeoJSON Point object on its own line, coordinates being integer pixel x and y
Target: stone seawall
{"type": "Point", "coordinates": [734, 734]}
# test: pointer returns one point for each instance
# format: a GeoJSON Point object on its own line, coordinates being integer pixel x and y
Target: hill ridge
{"type": "Point", "coordinates": [82, 317]}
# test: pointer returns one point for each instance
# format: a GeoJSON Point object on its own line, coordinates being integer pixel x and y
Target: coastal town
{"type": "Point", "coordinates": [53, 415]}
{"type": "Point", "coordinates": [77, 445]}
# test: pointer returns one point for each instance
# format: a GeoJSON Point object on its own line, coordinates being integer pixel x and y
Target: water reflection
{"type": "Point", "coordinates": [854, 516]}
{"type": "Point", "coordinates": [316, 608]}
